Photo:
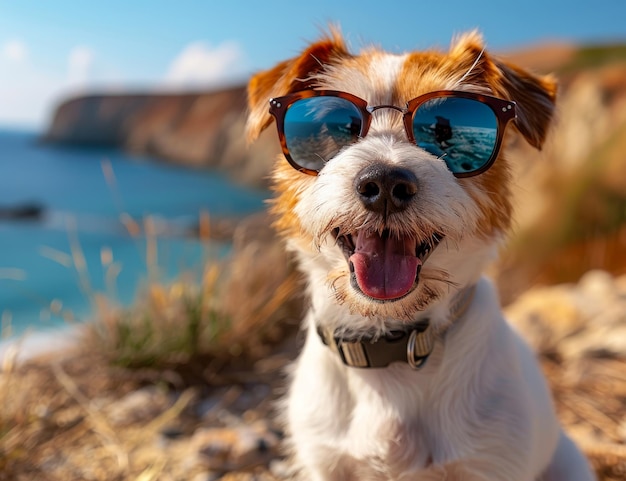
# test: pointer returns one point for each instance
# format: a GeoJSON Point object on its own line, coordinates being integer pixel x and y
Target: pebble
{"type": "Point", "coordinates": [138, 406]}
{"type": "Point", "coordinates": [575, 320]}
{"type": "Point", "coordinates": [235, 448]}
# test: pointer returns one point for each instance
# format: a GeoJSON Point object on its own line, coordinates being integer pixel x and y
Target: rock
{"type": "Point", "coordinates": [235, 448]}
{"type": "Point", "coordinates": [620, 285]}
{"type": "Point", "coordinates": [260, 476]}
{"type": "Point", "coordinates": [208, 476]}
{"type": "Point", "coordinates": [621, 430]}
{"type": "Point", "coordinates": [575, 320]}
{"type": "Point", "coordinates": [597, 292]}
{"type": "Point", "coordinates": [546, 315]}
{"type": "Point", "coordinates": [138, 406]}
{"type": "Point", "coordinates": [602, 341]}
{"type": "Point", "coordinates": [27, 211]}
{"type": "Point", "coordinates": [282, 469]}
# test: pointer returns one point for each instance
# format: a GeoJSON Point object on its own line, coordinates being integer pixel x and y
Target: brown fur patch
{"type": "Point", "coordinates": [491, 192]}
{"type": "Point", "coordinates": [290, 76]}
{"type": "Point", "coordinates": [287, 184]}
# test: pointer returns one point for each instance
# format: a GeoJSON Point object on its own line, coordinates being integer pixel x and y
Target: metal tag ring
{"type": "Point", "coordinates": [419, 347]}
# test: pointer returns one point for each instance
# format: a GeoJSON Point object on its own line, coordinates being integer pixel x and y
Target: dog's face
{"type": "Point", "coordinates": [384, 221]}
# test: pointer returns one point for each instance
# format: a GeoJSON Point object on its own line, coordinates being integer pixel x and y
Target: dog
{"type": "Point", "coordinates": [408, 370]}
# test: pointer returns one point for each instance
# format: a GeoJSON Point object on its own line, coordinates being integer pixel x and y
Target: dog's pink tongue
{"type": "Point", "coordinates": [384, 267]}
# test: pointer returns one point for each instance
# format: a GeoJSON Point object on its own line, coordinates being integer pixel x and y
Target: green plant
{"type": "Point", "coordinates": [593, 56]}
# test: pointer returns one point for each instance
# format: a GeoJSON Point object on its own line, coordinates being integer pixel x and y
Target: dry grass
{"type": "Point", "coordinates": [237, 308]}
{"type": "Point", "coordinates": [591, 400]}
{"type": "Point", "coordinates": [55, 424]}
{"type": "Point", "coordinates": [590, 396]}
{"type": "Point", "coordinates": [179, 337]}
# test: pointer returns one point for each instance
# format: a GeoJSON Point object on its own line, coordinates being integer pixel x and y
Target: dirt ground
{"type": "Point", "coordinates": [74, 416]}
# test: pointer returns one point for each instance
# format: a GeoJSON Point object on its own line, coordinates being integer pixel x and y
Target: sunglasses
{"type": "Point", "coordinates": [463, 129]}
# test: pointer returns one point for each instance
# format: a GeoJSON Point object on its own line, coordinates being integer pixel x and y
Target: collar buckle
{"type": "Point", "coordinates": [418, 347]}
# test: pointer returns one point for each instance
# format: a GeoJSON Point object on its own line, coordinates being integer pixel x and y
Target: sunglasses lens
{"type": "Point", "coordinates": [463, 132]}
{"type": "Point", "coordinates": [317, 128]}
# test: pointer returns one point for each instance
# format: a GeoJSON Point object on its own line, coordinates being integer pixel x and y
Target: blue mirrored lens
{"type": "Point", "coordinates": [462, 132]}
{"type": "Point", "coordinates": [317, 128]}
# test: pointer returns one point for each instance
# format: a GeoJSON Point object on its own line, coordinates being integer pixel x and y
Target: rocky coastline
{"type": "Point", "coordinates": [199, 130]}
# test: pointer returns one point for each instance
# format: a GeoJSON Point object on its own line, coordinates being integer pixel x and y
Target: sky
{"type": "Point", "coordinates": [53, 49]}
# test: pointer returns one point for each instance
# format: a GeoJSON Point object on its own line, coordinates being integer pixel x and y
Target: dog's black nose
{"type": "Point", "coordinates": [384, 189]}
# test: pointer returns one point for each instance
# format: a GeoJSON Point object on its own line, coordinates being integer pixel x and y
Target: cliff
{"type": "Point", "coordinates": [203, 129]}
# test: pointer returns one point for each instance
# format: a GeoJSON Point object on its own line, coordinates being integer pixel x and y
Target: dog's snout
{"type": "Point", "coordinates": [385, 189]}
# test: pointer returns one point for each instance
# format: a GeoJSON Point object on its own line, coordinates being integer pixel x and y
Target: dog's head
{"type": "Point", "coordinates": [393, 189]}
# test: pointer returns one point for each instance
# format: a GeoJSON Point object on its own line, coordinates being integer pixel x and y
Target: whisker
{"type": "Point", "coordinates": [466, 74]}
{"type": "Point", "coordinates": [439, 276]}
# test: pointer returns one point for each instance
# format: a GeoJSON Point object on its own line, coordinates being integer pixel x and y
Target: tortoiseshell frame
{"type": "Point", "coordinates": [504, 111]}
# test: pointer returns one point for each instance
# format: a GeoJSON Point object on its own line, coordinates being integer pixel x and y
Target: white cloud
{"type": "Point", "coordinates": [80, 64]}
{"type": "Point", "coordinates": [14, 50]}
{"type": "Point", "coordinates": [200, 64]}
{"type": "Point", "coordinates": [29, 91]}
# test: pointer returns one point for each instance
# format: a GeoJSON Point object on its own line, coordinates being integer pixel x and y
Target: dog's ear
{"type": "Point", "coordinates": [534, 95]}
{"type": "Point", "coordinates": [290, 76]}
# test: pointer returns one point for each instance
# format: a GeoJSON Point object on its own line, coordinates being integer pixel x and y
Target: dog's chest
{"type": "Point", "coordinates": [388, 447]}
{"type": "Point", "coordinates": [372, 447]}
{"type": "Point", "coordinates": [357, 428]}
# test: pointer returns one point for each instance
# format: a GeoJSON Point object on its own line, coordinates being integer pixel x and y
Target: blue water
{"type": "Point", "coordinates": [82, 215]}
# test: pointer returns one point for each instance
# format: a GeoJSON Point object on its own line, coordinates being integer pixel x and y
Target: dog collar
{"type": "Point", "coordinates": [412, 346]}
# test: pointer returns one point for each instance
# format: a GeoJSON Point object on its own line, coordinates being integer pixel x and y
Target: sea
{"type": "Point", "coordinates": [89, 238]}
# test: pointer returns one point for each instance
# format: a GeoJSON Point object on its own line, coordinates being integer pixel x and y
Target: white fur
{"type": "Point", "coordinates": [481, 397]}
{"type": "Point", "coordinates": [480, 409]}
{"type": "Point", "coordinates": [372, 84]}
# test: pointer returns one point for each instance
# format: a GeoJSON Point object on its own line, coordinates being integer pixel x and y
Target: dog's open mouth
{"type": "Point", "coordinates": [384, 267]}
